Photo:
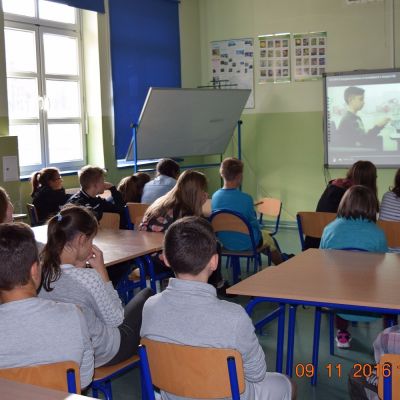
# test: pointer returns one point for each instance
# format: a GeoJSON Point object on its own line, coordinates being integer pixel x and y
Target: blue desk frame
{"type": "Point", "coordinates": [293, 303]}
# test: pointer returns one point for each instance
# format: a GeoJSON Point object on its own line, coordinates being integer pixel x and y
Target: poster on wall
{"type": "Point", "coordinates": [232, 65]}
{"type": "Point", "coordinates": [274, 58]}
{"type": "Point", "coordinates": [309, 55]}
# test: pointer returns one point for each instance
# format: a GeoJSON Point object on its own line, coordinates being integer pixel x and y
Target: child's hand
{"type": "Point", "coordinates": [108, 185]}
{"type": "Point", "coordinates": [96, 261]}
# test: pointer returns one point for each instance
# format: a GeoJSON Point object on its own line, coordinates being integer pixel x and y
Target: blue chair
{"type": "Point", "coordinates": [63, 376]}
{"type": "Point", "coordinates": [33, 216]}
{"type": "Point", "coordinates": [126, 286]}
{"type": "Point", "coordinates": [230, 221]}
{"type": "Point", "coordinates": [312, 223]}
{"type": "Point", "coordinates": [103, 376]}
{"type": "Point", "coordinates": [188, 371]}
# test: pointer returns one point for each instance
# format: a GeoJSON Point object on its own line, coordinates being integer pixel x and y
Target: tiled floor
{"type": "Point", "coordinates": [328, 388]}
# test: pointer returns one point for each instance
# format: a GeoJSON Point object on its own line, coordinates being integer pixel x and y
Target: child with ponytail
{"type": "Point", "coordinates": [48, 193]}
{"type": "Point", "coordinates": [74, 272]}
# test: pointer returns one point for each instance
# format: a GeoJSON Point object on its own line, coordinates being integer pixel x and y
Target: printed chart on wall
{"type": "Point", "coordinates": [309, 55]}
{"type": "Point", "coordinates": [274, 58]}
{"type": "Point", "coordinates": [232, 65]}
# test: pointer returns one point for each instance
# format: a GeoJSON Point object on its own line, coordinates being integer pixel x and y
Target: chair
{"type": "Point", "coordinates": [230, 221]}
{"type": "Point", "coordinates": [103, 375]}
{"type": "Point", "coordinates": [392, 232]}
{"type": "Point", "coordinates": [312, 223]}
{"type": "Point", "coordinates": [33, 216]}
{"type": "Point", "coordinates": [135, 213]}
{"type": "Point", "coordinates": [194, 372]}
{"type": "Point", "coordinates": [272, 208]}
{"type": "Point", "coordinates": [110, 220]}
{"type": "Point", "coordinates": [62, 376]}
{"type": "Point", "coordinates": [389, 382]}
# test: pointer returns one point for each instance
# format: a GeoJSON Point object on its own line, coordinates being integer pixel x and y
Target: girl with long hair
{"type": "Point", "coordinates": [74, 272]}
{"type": "Point", "coordinates": [185, 199]}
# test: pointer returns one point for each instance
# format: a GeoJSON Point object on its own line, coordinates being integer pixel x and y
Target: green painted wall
{"type": "Point", "coordinates": [282, 135]}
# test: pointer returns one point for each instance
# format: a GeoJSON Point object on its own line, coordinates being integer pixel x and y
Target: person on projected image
{"type": "Point", "coordinates": [351, 131]}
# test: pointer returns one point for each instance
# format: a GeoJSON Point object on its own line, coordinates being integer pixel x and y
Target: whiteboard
{"type": "Point", "coordinates": [187, 122]}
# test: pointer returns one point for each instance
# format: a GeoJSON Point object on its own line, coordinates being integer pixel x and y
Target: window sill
{"type": "Point", "coordinates": [24, 178]}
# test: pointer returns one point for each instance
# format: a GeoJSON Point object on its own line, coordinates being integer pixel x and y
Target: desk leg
{"type": "Point", "coordinates": [290, 342]}
{"type": "Point", "coordinates": [281, 338]}
{"type": "Point", "coordinates": [317, 332]}
{"type": "Point", "coordinates": [280, 313]}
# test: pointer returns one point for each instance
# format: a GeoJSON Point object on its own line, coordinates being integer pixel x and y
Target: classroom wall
{"type": "Point", "coordinates": [282, 135]}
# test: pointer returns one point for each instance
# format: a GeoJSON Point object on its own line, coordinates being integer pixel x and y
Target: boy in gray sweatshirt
{"type": "Point", "coordinates": [32, 330]}
{"type": "Point", "coordinates": [188, 312]}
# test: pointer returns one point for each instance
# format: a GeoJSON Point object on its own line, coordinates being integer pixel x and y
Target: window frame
{"type": "Point", "coordinates": [42, 27]}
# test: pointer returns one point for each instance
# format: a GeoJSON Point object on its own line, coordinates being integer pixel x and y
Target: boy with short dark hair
{"type": "Point", "coordinates": [33, 330]}
{"type": "Point", "coordinates": [167, 174]}
{"type": "Point", "coordinates": [92, 184]}
{"type": "Point", "coordinates": [189, 312]}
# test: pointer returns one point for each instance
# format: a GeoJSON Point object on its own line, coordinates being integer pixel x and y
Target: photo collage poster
{"type": "Point", "coordinates": [309, 55]}
{"type": "Point", "coordinates": [233, 66]}
{"type": "Point", "coordinates": [274, 58]}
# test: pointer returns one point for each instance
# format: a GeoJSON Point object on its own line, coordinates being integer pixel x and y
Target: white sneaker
{"type": "Point", "coordinates": [343, 339]}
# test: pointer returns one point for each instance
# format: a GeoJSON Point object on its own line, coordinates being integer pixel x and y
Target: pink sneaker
{"type": "Point", "coordinates": [343, 339]}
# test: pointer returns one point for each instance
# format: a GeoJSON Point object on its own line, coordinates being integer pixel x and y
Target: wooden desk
{"type": "Point", "coordinates": [10, 390]}
{"type": "Point", "coordinates": [118, 245]}
{"type": "Point", "coordinates": [357, 281]}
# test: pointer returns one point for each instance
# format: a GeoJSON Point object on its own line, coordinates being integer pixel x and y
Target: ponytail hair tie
{"type": "Point", "coordinates": [59, 217]}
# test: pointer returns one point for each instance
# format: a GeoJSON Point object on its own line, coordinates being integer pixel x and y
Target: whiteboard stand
{"type": "Point", "coordinates": [177, 123]}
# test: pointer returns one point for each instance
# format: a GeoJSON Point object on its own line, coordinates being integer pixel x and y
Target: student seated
{"type": "Point", "coordinates": [6, 207]}
{"type": "Point", "coordinates": [74, 272]}
{"type": "Point", "coordinates": [188, 312]}
{"type": "Point", "coordinates": [354, 227]}
{"type": "Point", "coordinates": [167, 173]}
{"type": "Point", "coordinates": [390, 205]}
{"type": "Point", "coordinates": [34, 330]}
{"type": "Point", "coordinates": [92, 184]}
{"type": "Point", "coordinates": [48, 194]}
{"type": "Point", "coordinates": [362, 387]}
{"type": "Point", "coordinates": [131, 187]}
{"type": "Point", "coordinates": [231, 198]}
{"type": "Point", "coordinates": [185, 199]}
{"type": "Point", "coordinates": [360, 173]}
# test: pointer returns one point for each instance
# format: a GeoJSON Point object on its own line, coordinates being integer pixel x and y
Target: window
{"type": "Point", "coordinates": [44, 83]}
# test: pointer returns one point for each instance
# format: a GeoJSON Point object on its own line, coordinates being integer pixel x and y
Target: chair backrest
{"type": "Point", "coordinates": [231, 221]}
{"type": "Point", "coordinates": [62, 376]}
{"type": "Point", "coordinates": [312, 223]}
{"type": "Point", "coordinates": [110, 220]}
{"type": "Point", "coordinates": [272, 208]}
{"type": "Point", "coordinates": [32, 212]}
{"type": "Point", "coordinates": [394, 375]}
{"type": "Point", "coordinates": [136, 212]}
{"type": "Point", "coordinates": [392, 232]}
{"type": "Point", "coordinates": [194, 372]}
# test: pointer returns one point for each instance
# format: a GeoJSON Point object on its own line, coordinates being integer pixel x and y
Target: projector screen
{"type": "Point", "coordinates": [362, 118]}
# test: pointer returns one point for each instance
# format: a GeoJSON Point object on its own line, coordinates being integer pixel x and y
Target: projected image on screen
{"type": "Point", "coordinates": [362, 118]}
